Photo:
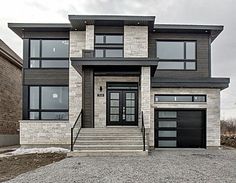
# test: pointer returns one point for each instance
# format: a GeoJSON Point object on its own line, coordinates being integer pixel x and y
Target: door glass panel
{"type": "Point", "coordinates": [167, 133]}
{"type": "Point", "coordinates": [114, 102]}
{"type": "Point", "coordinates": [130, 96]}
{"type": "Point", "coordinates": [167, 124]}
{"type": "Point", "coordinates": [114, 110]}
{"type": "Point", "coordinates": [114, 117]}
{"type": "Point", "coordinates": [130, 110]}
{"type": "Point", "coordinates": [130, 103]}
{"type": "Point", "coordinates": [114, 95]}
{"type": "Point", "coordinates": [167, 114]}
{"type": "Point", "coordinates": [130, 117]}
{"type": "Point", "coordinates": [167, 143]}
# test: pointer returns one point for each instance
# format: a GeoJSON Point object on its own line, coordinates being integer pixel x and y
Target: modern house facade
{"type": "Point", "coordinates": [10, 95]}
{"type": "Point", "coordinates": [119, 74]}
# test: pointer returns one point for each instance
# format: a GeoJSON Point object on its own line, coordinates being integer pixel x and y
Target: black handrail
{"type": "Point", "coordinates": [72, 130]}
{"type": "Point", "coordinates": [143, 133]}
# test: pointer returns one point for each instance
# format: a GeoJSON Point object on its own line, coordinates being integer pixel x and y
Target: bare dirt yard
{"type": "Point", "coordinates": [12, 166]}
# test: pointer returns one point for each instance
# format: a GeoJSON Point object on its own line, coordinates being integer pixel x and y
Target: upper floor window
{"type": "Point", "coordinates": [176, 55]}
{"type": "Point", "coordinates": [180, 98]}
{"type": "Point", "coordinates": [49, 54]}
{"type": "Point", "coordinates": [108, 45]}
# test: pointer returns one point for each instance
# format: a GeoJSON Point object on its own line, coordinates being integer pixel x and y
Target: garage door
{"type": "Point", "coordinates": [180, 128]}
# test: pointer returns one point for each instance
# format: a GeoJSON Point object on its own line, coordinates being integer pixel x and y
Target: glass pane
{"type": "Point", "coordinates": [171, 65]}
{"type": "Point", "coordinates": [114, 117]}
{"type": "Point", "coordinates": [34, 63]}
{"type": "Point", "coordinates": [55, 63]}
{"type": "Point", "coordinates": [130, 96]}
{"type": "Point", "coordinates": [165, 98]}
{"type": "Point", "coordinates": [130, 110]}
{"type": "Point", "coordinates": [114, 39]}
{"type": "Point", "coordinates": [114, 53]}
{"type": "Point", "coordinates": [167, 114]}
{"type": "Point", "coordinates": [114, 102]}
{"type": "Point", "coordinates": [34, 97]}
{"type": "Point", "coordinates": [130, 117]}
{"type": "Point", "coordinates": [190, 66]}
{"type": "Point", "coordinates": [167, 133]}
{"type": "Point", "coordinates": [34, 115]}
{"type": "Point", "coordinates": [199, 98]}
{"type": "Point", "coordinates": [130, 103]}
{"type": "Point", "coordinates": [167, 124]}
{"type": "Point", "coordinates": [55, 48]}
{"type": "Point", "coordinates": [190, 50]}
{"type": "Point", "coordinates": [34, 48]}
{"type": "Point", "coordinates": [54, 115]}
{"type": "Point", "coordinates": [55, 97]}
{"type": "Point", "coordinates": [99, 39]}
{"type": "Point", "coordinates": [183, 98]}
{"type": "Point", "coordinates": [170, 50]}
{"type": "Point", "coordinates": [167, 143]}
{"type": "Point", "coordinates": [114, 110]}
{"type": "Point", "coordinates": [99, 53]}
{"type": "Point", "coordinates": [114, 95]}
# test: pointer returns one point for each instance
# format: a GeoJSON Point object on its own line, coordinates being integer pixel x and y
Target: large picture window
{"type": "Point", "coordinates": [108, 46]}
{"type": "Point", "coordinates": [176, 55]}
{"type": "Point", "coordinates": [49, 54]}
{"type": "Point", "coordinates": [48, 102]}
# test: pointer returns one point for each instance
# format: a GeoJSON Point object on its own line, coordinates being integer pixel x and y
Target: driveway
{"type": "Point", "coordinates": [161, 166]}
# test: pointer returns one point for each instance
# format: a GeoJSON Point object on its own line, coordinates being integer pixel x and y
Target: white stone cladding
{"type": "Point", "coordinates": [135, 41]}
{"type": "Point", "coordinates": [100, 102]}
{"type": "Point", "coordinates": [212, 106]}
{"type": "Point", "coordinates": [89, 45]}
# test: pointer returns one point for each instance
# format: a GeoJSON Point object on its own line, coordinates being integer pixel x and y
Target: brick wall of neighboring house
{"type": "Point", "coordinates": [10, 95]}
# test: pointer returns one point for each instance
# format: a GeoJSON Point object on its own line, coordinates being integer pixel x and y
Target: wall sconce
{"type": "Point", "coordinates": [100, 88]}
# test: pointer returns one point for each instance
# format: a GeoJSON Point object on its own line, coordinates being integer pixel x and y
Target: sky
{"type": "Point", "coordinates": [216, 12]}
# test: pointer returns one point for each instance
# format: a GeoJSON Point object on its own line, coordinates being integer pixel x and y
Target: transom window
{"type": "Point", "coordinates": [48, 102]}
{"type": "Point", "coordinates": [180, 98]}
{"type": "Point", "coordinates": [176, 55]}
{"type": "Point", "coordinates": [49, 54]}
{"type": "Point", "coordinates": [108, 46]}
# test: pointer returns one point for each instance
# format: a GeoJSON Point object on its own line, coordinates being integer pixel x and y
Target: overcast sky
{"type": "Point", "coordinates": [222, 12]}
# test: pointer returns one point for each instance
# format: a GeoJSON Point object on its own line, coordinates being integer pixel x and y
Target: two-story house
{"type": "Point", "coordinates": [119, 84]}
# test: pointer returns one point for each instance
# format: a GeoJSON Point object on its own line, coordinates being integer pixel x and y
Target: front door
{"type": "Point", "coordinates": [122, 107]}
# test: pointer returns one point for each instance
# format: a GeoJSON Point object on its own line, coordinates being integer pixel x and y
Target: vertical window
{"type": "Point", "coordinates": [176, 55]}
{"type": "Point", "coordinates": [49, 54]}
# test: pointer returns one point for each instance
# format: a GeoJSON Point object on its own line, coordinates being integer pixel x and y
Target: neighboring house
{"type": "Point", "coordinates": [106, 71]}
{"type": "Point", "coordinates": [10, 95]}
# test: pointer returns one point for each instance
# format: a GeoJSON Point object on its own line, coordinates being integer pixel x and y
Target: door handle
{"type": "Point", "coordinates": [123, 113]}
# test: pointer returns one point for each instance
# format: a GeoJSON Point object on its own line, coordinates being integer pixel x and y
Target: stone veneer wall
{"type": "Point", "coordinates": [212, 105]}
{"type": "Point", "coordinates": [100, 102]}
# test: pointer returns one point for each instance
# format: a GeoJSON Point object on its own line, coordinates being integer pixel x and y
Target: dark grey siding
{"type": "Point", "coordinates": [87, 98]}
{"type": "Point", "coordinates": [46, 77]}
{"type": "Point", "coordinates": [47, 35]}
{"type": "Point", "coordinates": [203, 51]}
{"type": "Point", "coordinates": [109, 30]}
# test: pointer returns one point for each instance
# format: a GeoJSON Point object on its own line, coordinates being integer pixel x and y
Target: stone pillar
{"type": "Point", "coordinates": [145, 83]}
{"type": "Point", "coordinates": [89, 45]}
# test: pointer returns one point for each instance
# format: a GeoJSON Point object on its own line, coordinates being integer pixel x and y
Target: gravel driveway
{"type": "Point", "coordinates": [161, 166]}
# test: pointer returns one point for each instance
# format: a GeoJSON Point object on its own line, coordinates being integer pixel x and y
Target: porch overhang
{"type": "Point", "coordinates": [79, 62]}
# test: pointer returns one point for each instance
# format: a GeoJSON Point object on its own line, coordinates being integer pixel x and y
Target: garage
{"type": "Point", "coordinates": [180, 128]}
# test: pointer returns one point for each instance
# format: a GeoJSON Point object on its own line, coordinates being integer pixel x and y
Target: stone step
{"type": "Point", "coordinates": [109, 138]}
{"type": "Point", "coordinates": [108, 147]}
{"type": "Point", "coordinates": [102, 153]}
{"type": "Point", "coordinates": [94, 130]}
{"type": "Point", "coordinates": [109, 134]}
{"type": "Point", "coordinates": [109, 142]}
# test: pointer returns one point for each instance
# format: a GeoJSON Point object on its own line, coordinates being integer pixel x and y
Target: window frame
{"type": "Point", "coordinates": [108, 46]}
{"type": "Point", "coordinates": [178, 60]}
{"type": "Point", "coordinates": [40, 58]}
{"type": "Point", "coordinates": [40, 110]}
{"type": "Point", "coordinates": [176, 95]}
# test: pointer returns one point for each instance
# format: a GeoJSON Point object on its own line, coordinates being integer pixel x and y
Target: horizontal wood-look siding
{"type": "Point", "coordinates": [202, 54]}
{"type": "Point", "coordinates": [46, 76]}
{"type": "Point", "coordinates": [87, 98]}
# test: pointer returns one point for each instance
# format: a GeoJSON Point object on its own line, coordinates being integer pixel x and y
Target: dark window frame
{"type": "Point", "coordinates": [178, 60]}
{"type": "Point", "coordinates": [176, 95]}
{"type": "Point", "coordinates": [108, 46]}
{"type": "Point", "coordinates": [40, 110]}
{"type": "Point", "coordinates": [40, 58]}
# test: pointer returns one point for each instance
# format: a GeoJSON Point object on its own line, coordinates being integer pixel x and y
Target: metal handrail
{"type": "Point", "coordinates": [143, 133]}
{"type": "Point", "coordinates": [72, 130]}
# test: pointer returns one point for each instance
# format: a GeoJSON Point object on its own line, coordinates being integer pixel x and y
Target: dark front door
{"type": "Point", "coordinates": [122, 107]}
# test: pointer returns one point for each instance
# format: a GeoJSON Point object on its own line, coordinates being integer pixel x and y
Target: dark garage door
{"type": "Point", "coordinates": [180, 128]}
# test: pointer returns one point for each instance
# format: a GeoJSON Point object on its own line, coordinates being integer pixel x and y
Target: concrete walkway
{"type": "Point", "coordinates": [211, 166]}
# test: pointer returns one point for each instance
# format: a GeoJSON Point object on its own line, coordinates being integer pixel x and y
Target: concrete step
{"type": "Point", "coordinates": [102, 153]}
{"type": "Point", "coordinates": [108, 147]}
{"type": "Point", "coordinates": [109, 142]}
{"type": "Point", "coordinates": [109, 138]}
{"type": "Point", "coordinates": [109, 134]}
